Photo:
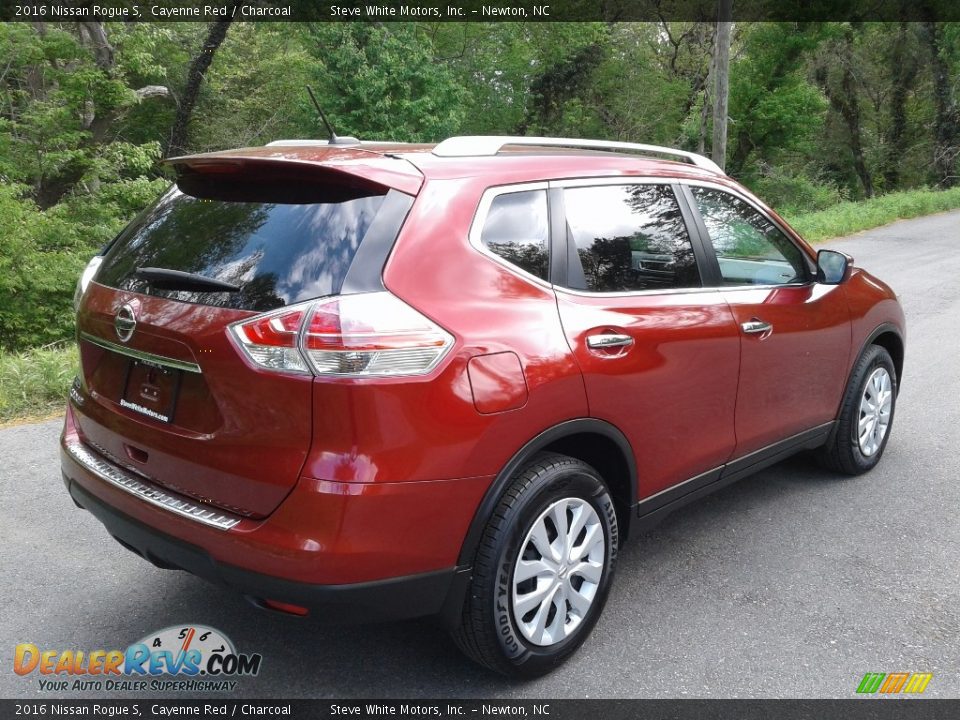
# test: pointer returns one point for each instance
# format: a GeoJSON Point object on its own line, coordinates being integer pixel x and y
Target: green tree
{"type": "Point", "coordinates": [381, 82]}
{"type": "Point", "coordinates": [774, 109]}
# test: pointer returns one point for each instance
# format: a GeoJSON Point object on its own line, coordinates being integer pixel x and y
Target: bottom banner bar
{"type": "Point", "coordinates": [853, 709]}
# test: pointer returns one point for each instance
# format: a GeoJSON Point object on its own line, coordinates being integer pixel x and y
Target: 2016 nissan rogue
{"type": "Point", "coordinates": [399, 380]}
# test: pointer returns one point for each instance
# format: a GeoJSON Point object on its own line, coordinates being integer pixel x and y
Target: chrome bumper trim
{"type": "Point", "coordinates": [122, 479]}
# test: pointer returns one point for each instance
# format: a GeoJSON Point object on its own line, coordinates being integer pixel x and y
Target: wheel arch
{"type": "Point", "coordinates": [889, 337]}
{"type": "Point", "coordinates": [596, 442]}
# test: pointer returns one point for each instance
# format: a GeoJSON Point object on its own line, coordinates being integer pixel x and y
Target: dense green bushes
{"type": "Point", "coordinates": [43, 252]}
{"type": "Point", "coordinates": [795, 193]}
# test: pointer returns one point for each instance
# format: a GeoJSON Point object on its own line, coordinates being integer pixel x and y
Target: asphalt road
{"type": "Point", "coordinates": [793, 583]}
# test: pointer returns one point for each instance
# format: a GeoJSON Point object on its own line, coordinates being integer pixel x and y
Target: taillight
{"type": "Point", "coordinates": [372, 334]}
{"type": "Point", "coordinates": [363, 335]}
{"type": "Point", "coordinates": [272, 341]}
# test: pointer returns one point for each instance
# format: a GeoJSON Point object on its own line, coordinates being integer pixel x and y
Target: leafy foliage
{"type": "Point", "coordinates": [819, 113]}
{"type": "Point", "coordinates": [384, 81]}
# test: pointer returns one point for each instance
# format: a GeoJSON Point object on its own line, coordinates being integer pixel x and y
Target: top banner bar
{"type": "Point", "coordinates": [388, 11]}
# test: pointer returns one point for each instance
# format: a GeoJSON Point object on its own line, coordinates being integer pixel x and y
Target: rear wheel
{"type": "Point", "coordinates": [866, 415]}
{"type": "Point", "coordinates": [542, 570]}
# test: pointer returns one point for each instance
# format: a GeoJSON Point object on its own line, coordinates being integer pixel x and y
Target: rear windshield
{"type": "Point", "coordinates": [280, 252]}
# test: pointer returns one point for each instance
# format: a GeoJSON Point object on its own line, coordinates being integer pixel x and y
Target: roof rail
{"type": "Point", "coordinates": [298, 143]}
{"type": "Point", "coordinates": [474, 145]}
{"type": "Point", "coordinates": [321, 143]}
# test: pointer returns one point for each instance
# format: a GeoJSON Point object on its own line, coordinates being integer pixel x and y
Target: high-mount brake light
{"type": "Point", "coordinates": [362, 335]}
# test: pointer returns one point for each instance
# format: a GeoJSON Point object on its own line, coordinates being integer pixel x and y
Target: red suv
{"type": "Point", "coordinates": [396, 380]}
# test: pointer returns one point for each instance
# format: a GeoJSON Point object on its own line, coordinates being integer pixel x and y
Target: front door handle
{"type": "Point", "coordinates": [755, 326]}
{"type": "Point", "coordinates": [598, 342]}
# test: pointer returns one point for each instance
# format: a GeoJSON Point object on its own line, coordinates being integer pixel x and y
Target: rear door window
{"type": "Point", "coordinates": [628, 238]}
{"type": "Point", "coordinates": [291, 246]}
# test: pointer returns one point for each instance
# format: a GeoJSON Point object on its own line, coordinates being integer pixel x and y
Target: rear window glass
{"type": "Point", "coordinates": [277, 253]}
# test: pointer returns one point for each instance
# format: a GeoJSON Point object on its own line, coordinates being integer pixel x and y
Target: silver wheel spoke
{"type": "Point", "coordinates": [579, 521]}
{"type": "Point", "coordinates": [527, 569]}
{"type": "Point", "coordinates": [555, 630]}
{"type": "Point", "coordinates": [559, 517]}
{"type": "Point", "coordinates": [525, 603]}
{"type": "Point", "coordinates": [593, 537]}
{"type": "Point", "coordinates": [538, 536]}
{"type": "Point", "coordinates": [579, 603]}
{"type": "Point", "coordinates": [540, 619]}
{"type": "Point", "coordinates": [588, 571]}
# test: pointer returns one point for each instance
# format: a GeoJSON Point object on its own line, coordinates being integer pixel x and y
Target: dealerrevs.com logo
{"type": "Point", "coordinates": [178, 658]}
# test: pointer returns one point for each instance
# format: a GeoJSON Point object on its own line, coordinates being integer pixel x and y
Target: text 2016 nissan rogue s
{"type": "Point", "coordinates": [396, 380]}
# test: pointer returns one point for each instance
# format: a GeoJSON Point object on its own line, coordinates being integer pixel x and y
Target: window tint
{"type": "Point", "coordinates": [629, 237]}
{"type": "Point", "coordinates": [277, 252]}
{"type": "Point", "coordinates": [751, 250]}
{"type": "Point", "coordinates": [516, 229]}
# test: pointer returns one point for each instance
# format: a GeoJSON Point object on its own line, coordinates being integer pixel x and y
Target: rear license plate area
{"type": "Point", "coordinates": [151, 389]}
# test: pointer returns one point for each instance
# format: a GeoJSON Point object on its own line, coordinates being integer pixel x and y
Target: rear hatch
{"type": "Point", "coordinates": [165, 390]}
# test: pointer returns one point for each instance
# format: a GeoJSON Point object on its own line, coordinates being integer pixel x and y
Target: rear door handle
{"type": "Point", "coordinates": [598, 342]}
{"type": "Point", "coordinates": [753, 327]}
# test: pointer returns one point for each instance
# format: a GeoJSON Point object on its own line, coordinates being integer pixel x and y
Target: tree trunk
{"type": "Point", "coordinates": [198, 68]}
{"type": "Point", "coordinates": [94, 35]}
{"type": "Point", "coordinates": [903, 70]}
{"type": "Point", "coordinates": [851, 115]}
{"type": "Point", "coordinates": [707, 97]}
{"type": "Point", "coordinates": [945, 124]}
{"type": "Point", "coordinates": [722, 85]}
{"type": "Point", "coordinates": [845, 101]}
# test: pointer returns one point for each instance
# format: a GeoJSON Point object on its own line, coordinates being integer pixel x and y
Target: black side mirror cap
{"type": "Point", "coordinates": [833, 267]}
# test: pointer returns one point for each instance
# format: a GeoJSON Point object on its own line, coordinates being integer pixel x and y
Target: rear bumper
{"type": "Point", "coordinates": [349, 551]}
{"type": "Point", "coordinates": [394, 598]}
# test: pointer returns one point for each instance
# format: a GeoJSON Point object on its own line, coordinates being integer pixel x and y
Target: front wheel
{"type": "Point", "coordinates": [542, 570]}
{"type": "Point", "coordinates": [866, 415]}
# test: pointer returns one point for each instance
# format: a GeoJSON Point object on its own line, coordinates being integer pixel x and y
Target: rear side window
{"type": "Point", "coordinates": [296, 246]}
{"type": "Point", "coordinates": [515, 229]}
{"type": "Point", "coordinates": [628, 238]}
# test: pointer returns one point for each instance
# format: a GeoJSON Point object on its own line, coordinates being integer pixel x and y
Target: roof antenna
{"type": "Point", "coordinates": [334, 138]}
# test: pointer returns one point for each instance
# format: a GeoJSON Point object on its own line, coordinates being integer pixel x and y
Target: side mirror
{"type": "Point", "coordinates": [833, 267]}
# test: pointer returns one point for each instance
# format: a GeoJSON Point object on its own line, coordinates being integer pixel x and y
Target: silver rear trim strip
{"type": "Point", "coordinates": [117, 477]}
{"type": "Point", "coordinates": [141, 355]}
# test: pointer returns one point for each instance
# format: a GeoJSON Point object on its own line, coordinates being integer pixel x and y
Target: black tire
{"type": "Point", "coordinates": [488, 631]}
{"type": "Point", "coordinates": [842, 451]}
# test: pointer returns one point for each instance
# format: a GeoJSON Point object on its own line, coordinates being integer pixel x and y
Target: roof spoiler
{"type": "Point", "coordinates": [345, 166]}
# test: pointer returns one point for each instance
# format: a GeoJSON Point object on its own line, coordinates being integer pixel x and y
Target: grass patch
{"type": "Point", "coordinates": [34, 383]}
{"type": "Point", "coordinates": [847, 218]}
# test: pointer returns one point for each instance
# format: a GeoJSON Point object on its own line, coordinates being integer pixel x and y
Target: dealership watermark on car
{"type": "Point", "coordinates": [177, 658]}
